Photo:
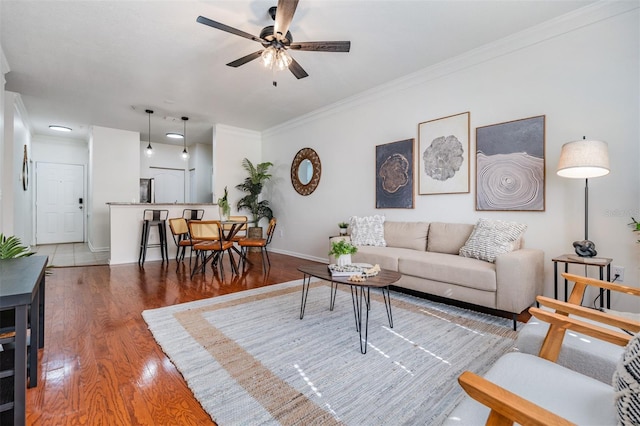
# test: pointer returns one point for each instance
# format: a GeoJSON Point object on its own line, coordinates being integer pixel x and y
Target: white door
{"type": "Point", "coordinates": [168, 185]}
{"type": "Point", "coordinates": [59, 203]}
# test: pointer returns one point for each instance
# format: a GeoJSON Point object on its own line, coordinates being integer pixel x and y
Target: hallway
{"type": "Point", "coordinates": [72, 254]}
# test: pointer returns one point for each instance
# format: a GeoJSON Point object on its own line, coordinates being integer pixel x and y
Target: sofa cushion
{"type": "Point", "coordinates": [626, 384]}
{"type": "Point", "coordinates": [450, 269]}
{"type": "Point", "coordinates": [386, 257]}
{"type": "Point", "coordinates": [491, 238]}
{"type": "Point", "coordinates": [411, 235]}
{"type": "Point", "coordinates": [367, 230]}
{"type": "Point", "coordinates": [447, 237]}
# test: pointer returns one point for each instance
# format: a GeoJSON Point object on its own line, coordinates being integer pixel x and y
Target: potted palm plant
{"type": "Point", "coordinates": [252, 187]}
{"type": "Point", "coordinates": [12, 248]}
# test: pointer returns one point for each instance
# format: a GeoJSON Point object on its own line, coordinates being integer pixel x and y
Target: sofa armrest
{"type": "Point", "coordinates": [519, 279]}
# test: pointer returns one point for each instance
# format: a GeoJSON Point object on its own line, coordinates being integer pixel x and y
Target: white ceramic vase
{"type": "Point", "coordinates": [343, 260]}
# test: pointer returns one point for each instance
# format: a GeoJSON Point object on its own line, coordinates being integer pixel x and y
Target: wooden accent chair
{"type": "Point", "coordinates": [534, 390]}
{"type": "Point", "coordinates": [210, 239]}
{"type": "Point", "coordinates": [258, 242]}
{"type": "Point", "coordinates": [591, 357]}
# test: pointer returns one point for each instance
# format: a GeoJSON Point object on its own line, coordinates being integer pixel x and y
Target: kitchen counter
{"type": "Point", "coordinates": [125, 221]}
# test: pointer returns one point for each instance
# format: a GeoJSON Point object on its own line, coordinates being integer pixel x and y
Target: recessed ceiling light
{"type": "Point", "coordinates": [174, 135]}
{"type": "Point", "coordinates": [59, 128]}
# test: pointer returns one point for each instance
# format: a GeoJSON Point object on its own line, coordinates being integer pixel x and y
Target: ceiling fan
{"type": "Point", "coordinates": [276, 40]}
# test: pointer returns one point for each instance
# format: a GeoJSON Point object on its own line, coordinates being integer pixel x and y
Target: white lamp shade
{"type": "Point", "coordinates": [584, 159]}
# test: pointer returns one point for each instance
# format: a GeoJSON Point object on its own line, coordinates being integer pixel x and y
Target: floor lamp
{"type": "Point", "coordinates": [584, 159]}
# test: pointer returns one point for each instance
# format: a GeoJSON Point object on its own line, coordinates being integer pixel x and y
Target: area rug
{"type": "Point", "coordinates": [249, 358]}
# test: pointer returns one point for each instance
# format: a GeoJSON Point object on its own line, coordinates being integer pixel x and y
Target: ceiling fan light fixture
{"type": "Point", "coordinates": [269, 56]}
{"type": "Point", "coordinates": [283, 59]}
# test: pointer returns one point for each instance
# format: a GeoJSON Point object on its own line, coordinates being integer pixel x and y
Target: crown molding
{"type": "Point", "coordinates": [556, 27]}
{"type": "Point", "coordinates": [237, 131]}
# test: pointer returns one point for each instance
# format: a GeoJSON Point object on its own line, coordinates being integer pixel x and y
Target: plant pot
{"type": "Point", "coordinates": [344, 259]}
{"type": "Point", "coordinates": [343, 231]}
{"type": "Point", "coordinates": [254, 232]}
{"type": "Point", "coordinates": [224, 213]}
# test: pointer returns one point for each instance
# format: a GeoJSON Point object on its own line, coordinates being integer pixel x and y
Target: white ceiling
{"type": "Point", "coordinates": [83, 63]}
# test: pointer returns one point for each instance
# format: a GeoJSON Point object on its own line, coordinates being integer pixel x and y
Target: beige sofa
{"type": "Point", "coordinates": [427, 256]}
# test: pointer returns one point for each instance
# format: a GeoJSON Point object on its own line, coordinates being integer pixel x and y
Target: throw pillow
{"type": "Point", "coordinates": [626, 384]}
{"type": "Point", "coordinates": [491, 238]}
{"type": "Point", "coordinates": [367, 230]}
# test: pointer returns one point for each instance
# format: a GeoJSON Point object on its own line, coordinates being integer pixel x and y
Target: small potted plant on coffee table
{"type": "Point", "coordinates": [342, 251]}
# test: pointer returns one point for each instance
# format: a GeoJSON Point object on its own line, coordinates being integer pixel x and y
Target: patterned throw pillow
{"type": "Point", "coordinates": [491, 238]}
{"type": "Point", "coordinates": [367, 230]}
{"type": "Point", "coordinates": [626, 384]}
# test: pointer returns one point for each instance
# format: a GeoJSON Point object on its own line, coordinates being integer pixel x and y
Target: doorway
{"type": "Point", "coordinates": [60, 196]}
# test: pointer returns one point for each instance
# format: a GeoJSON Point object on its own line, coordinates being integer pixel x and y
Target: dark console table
{"type": "Point", "coordinates": [22, 290]}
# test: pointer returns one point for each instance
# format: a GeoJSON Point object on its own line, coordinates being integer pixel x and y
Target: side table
{"type": "Point", "coordinates": [599, 262]}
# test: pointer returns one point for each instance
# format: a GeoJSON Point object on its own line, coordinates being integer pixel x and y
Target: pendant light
{"type": "Point", "coordinates": [149, 151]}
{"type": "Point", "coordinates": [185, 153]}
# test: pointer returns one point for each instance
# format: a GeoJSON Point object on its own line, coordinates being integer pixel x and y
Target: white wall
{"type": "Point", "coordinates": [231, 146]}
{"type": "Point", "coordinates": [16, 202]}
{"type": "Point", "coordinates": [202, 164]}
{"type": "Point", "coordinates": [114, 176]}
{"type": "Point", "coordinates": [582, 73]}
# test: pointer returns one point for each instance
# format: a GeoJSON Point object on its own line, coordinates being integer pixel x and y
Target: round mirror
{"type": "Point", "coordinates": [305, 171]}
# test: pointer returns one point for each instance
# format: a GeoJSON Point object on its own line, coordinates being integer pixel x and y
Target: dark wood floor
{"type": "Point", "coordinates": [100, 364]}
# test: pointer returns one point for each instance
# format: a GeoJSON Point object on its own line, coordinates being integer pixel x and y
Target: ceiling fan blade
{"type": "Point", "coordinates": [284, 15]}
{"type": "Point", "coordinates": [223, 27]}
{"type": "Point", "coordinates": [322, 46]}
{"type": "Point", "coordinates": [297, 70]}
{"type": "Point", "coordinates": [250, 57]}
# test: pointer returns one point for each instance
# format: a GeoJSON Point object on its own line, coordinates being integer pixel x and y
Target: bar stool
{"type": "Point", "coordinates": [154, 217]}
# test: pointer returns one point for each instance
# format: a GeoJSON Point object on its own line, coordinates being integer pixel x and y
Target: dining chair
{"type": "Point", "coordinates": [210, 238]}
{"type": "Point", "coordinates": [262, 243]}
{"type": "Point", "coordinates": [181, 236]}
{"type": "Point", "coordinates": [193, 214]}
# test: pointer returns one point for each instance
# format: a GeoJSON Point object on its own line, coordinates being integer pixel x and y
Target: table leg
{"type": "Point", "coordinates": [334, 290]}
{"type": "Point", "coordinates": [566, 290]}
{"type": "Point", "coordinates": [35, 339]}
{"type": "Point", "coordinates": [609, 291]}
{"type": "Point", "coordinates": [356, 306]}
{"type": "Point", "coordinates": [20, 365]}
{"type": "Point", "coordinates": [306, 282]}
{"type": "Point", "coordinates": [387, 304]}
{"type": "Point", "coordinates": [601, 289]}
{"type": "Point", "coordinates": [555, 280]}
{"type": "Point", "coordinates": [367, 299]}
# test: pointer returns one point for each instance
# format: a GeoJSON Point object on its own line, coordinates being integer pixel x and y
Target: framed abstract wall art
{"type": "Point", "coordinates": [394, 175]}
{"type": "Point", "coordinates": [444, 155]}
{"type": "Point", "coordinates": [510, 165]}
